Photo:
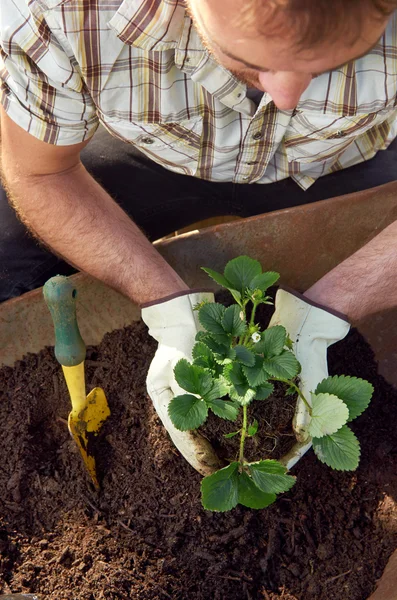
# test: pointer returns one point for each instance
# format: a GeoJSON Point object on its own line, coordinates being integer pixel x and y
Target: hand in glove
{"type": "Point", "coordinates": [174, 324]}
{"type": "Point", "coordinates": [312, 330]}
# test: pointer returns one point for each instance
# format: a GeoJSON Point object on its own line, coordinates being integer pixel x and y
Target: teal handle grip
{"type": "Point", "coordinates": [60, 296]}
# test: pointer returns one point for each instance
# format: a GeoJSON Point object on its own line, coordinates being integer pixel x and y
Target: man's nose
{"type": "Point", "coordinates": [285, 87]}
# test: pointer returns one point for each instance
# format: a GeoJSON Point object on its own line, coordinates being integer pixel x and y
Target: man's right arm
{"type": "Point", "coordinates": [69, 212]}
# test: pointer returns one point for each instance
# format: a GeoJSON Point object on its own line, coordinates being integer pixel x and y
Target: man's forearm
{"type": "Point", "coordinates": [79, 221]}
{"type": "Point", "coordinates": [366, 282]}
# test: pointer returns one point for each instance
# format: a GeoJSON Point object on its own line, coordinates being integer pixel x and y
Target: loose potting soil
{"type": "Point", "coordinates": [145, 536]}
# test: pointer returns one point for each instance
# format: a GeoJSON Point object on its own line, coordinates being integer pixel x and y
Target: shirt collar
{"type": "Point", "coordinates": [158, 25]}
{"type": "Point", "coordinates": [151, 25]}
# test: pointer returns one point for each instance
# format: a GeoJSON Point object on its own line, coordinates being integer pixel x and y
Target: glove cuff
{"type": "Point", "coordinates": [302, 297]}
{"type": "Point", "coordinates": [176, 295]}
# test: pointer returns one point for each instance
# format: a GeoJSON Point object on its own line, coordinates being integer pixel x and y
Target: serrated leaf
{"type": "Point", "coordinates": [264, 281]}
{"type": "Point", "coordinates": [245, 356]}
{"type": "Point", "coordinates": [241, 271]}
{"type": "Point", "coordinates": [250, 495]}
{"type": "Point", "coordinates": [271, 476]}
{"type": "Point", "coordinates": [263, 391]}
{"type": "Point", "coordinates": [284, 365]}
{"type": "Point", "coordinates": [272, 341]}
{"type": "Point", "coordinates": [237, 377]}
{"type": "Point", "coordinates": [203, 356]}
{"type": "Point", "coordinates": [356, 393]}
{"type": "Point", "coordinates": [255, 375]}
{"type": "Point", "coordinates": [219, 491]}
{"type": "Point", "coordinates": [243, 399]}
{"type": "Point", "coordinates": [236, 295]}
{"type": "Point", "coordinates": [220, 388]}
{"type": "Point", "coordinates": [225, 409]}
{"type": "Point", "coordinates": [340, 451]}
{"type": "Point", "coordinates": [329, 413]}
{"type": "Point", "coordinates": [192, 378]}
{"type": "Point", "coordinates": [187, 412]}
{"type": "Point", "coordinates": [217, 277]}
{"type": "Point", "coordinates": [210, 316]}
{"type": "Point", "coordinates": [253, 429]}
{"type": "Point", "coordinates": [232, 322]}
{"type": "Point", "coordinates": [228, 436]}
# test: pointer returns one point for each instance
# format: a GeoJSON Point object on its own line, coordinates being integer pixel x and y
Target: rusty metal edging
{"type": "Point", "coordinates": [302, 243]}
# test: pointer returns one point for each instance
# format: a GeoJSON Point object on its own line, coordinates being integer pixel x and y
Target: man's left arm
{"type": "Point", "coordinates": [364, 283]}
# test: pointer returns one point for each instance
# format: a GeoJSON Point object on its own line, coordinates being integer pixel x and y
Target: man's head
{"type": "Point", "coordinates": [278, 46]}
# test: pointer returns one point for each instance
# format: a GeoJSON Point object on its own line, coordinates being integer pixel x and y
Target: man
{"type": "Point", "coordinates": [292, 96]}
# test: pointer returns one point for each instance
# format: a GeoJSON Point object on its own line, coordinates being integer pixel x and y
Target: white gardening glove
{"type": "Point", "coordinates": [312, 330]}
{"type": "Point", "coordinates": [174, 324]}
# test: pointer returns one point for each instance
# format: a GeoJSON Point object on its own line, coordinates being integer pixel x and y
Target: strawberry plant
{"type": "Point", "coordinates": [235, 363]}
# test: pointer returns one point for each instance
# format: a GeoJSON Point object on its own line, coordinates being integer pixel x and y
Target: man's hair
{"type": "Point", "coordinates": [312, 21]}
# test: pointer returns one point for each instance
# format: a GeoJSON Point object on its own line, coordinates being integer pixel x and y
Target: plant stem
{"type": "Point", "coordinates": [255, 306]}
{"type": "Point", "coordinates": [243, 434]}
{"type": "Point", "coordinates": [296, 388]}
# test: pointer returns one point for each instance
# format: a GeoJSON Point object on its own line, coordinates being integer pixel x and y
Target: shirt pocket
{"type": "Point", "coordinates": [175, 145]}
{"type": "Point", "coordinates": [316, 138]}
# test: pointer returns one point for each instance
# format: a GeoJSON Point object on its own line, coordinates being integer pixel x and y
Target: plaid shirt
{"type": "Point", "coordinates": [139, 68]}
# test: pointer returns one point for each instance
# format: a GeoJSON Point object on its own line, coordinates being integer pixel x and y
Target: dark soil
{"type": "Point", "coordinates": [145, 535]}
{"type": "Point", "coordinates": [274, 437]}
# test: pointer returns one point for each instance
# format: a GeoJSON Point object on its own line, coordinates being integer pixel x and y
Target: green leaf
{"type": "Point", "coordinates": [232, 322]}
{"type": "Point", "coordinates": [241, 271]}
{"type": "Point", "coordinates": [225, 409]}
{"type": "Point", "coordinates": [256, 375]}
{"type": "Point", "coordinates": [272, 341]}
{"type": "Point", "coordinates": [203, 356]}
{"type": "Point", "coordinates": [270, 476]}
{"type": "Point", "coordinates": [264, 391]}
{"type": "Point", "coordinates": [210, 316]}
{"type": "Point", "coordinates": [192, 378]}
{"type": "Point", "coordinates": [253, 429]}
{"type": "Point", "coordinates": [243, 399]}
{"type": "Point", "coordinates": [221, 352]}
{"type": "Point", "coordinates": [228, 436]}
{"type": "Point", "coordinates": [236, 295]}
{"type": "Point", "coordinates": [238, 379]}
{"type": "Point", "coordinates": [219, 491]}
{"type": "Point", "coordinates": [250, 495]}
{"type": "Point", "coordinates": [244, 355]}
{"type": "Point", "coordinates": [356, 393]}
{"type": "Point", "coordinates": [340, 451]}
{"type": "Point", "coordinates": [218, 277]}
{"type": "Point", "coordinates": [264, 281]}
{"type": "Point", "coordinates": [187, 412]}
{"type": "Point", "coordinates": [329, 414]}
{"type": "Point", "coordinates": [284, 365]}
{"type": "Point", "coordinates": [220, 388]}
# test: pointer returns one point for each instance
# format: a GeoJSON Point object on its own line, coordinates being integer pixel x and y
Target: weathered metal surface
{"type": "Point", "coordinates": [387, 586]}
{"type": "Point", "coordinates": [302, 243]}
{"type": "Point", "coordinates": [26, 325]}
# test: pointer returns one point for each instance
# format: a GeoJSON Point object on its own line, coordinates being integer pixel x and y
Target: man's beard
{"type": "Point", "coordinates": [247, 76]}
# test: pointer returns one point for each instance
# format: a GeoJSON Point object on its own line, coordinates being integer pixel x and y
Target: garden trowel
{"type": "Point", "coordinates": [88, 412]}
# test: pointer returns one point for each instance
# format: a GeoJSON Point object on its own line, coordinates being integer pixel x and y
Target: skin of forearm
{"type": "Point", "coordinates": [365, 283]}
{"type": "Point", "coordinates": [76, 218]}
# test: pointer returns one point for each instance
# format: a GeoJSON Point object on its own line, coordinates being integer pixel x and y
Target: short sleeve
{"type": "Point", "coordinates": [41, 88]}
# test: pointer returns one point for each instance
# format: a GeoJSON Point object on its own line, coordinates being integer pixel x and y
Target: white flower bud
{"type": "Point", "coordinates": [256, 337]}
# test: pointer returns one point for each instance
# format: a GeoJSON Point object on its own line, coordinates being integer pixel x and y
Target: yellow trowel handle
{"type": "Point", "coordinates": [60, 296]}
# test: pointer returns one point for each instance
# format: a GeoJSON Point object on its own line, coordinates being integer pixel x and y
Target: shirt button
{"type": "Point", "coordinates": [252, 162]}
{"type": "Point", "coordinates": [257, 136]}
{"type": "Point", "coordinates": [147, 140]}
